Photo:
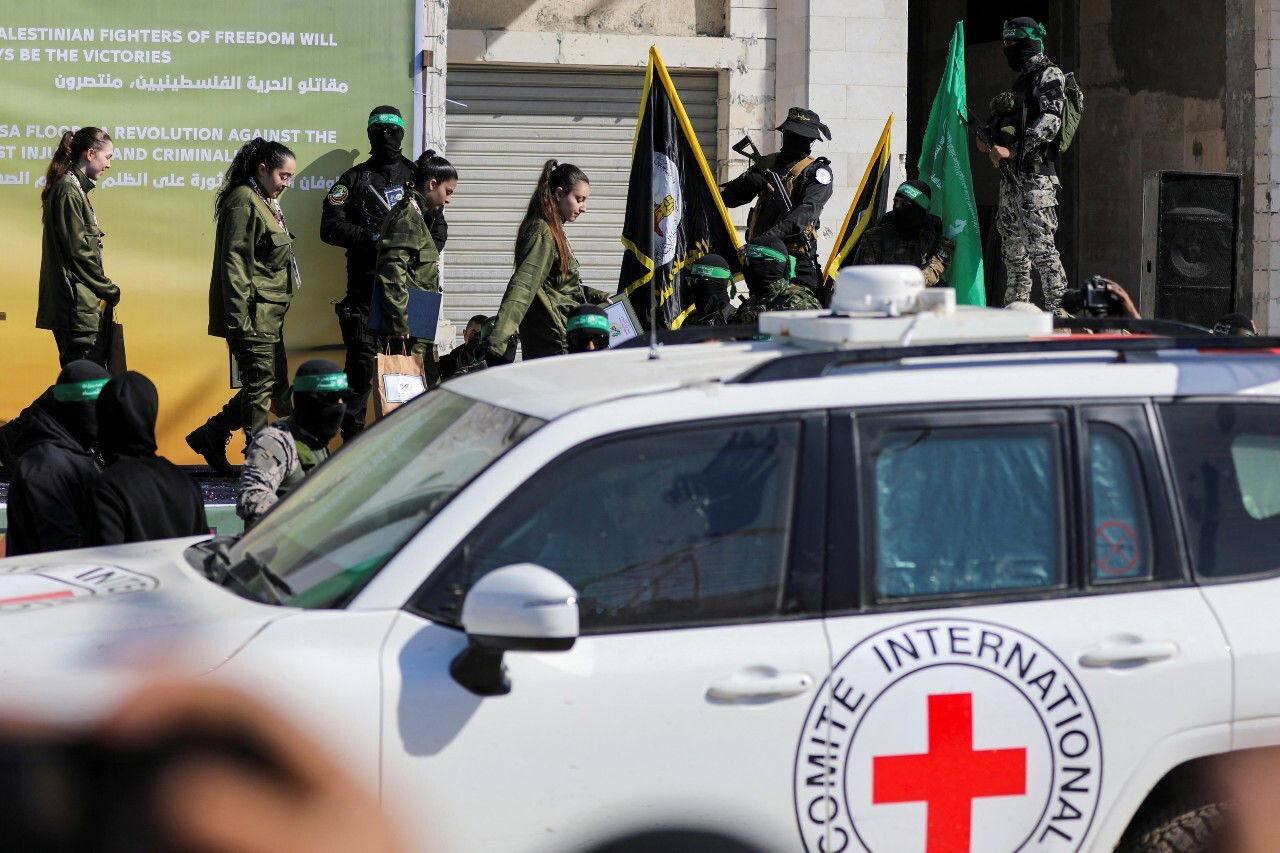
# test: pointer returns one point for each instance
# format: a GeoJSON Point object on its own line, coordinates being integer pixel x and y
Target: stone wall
{"type": "Point", "coordinates": [635, 17]}
{"type": "Point", "coordinates": [847, 60]}
{"type": "Point", "coordinates": [1154, 100]}
{"type": "Point", "coordinates": [1266, 189]}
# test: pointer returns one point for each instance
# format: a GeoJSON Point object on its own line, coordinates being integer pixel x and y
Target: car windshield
{"type": "Point", "coordinates": [328, 538]}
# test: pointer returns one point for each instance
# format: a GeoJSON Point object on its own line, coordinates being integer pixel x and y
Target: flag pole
{"type": "Point", "coordinates": [653, 283]}
{"type": "Point", "coordinates": [653, 320]}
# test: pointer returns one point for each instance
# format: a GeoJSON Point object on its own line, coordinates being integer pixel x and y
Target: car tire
{"type": "Point", "coordinates": [1201, 829]}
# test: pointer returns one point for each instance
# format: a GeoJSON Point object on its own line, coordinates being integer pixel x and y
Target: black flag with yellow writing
{"type": "Point", "coordinates": [871, 200]}
{"type": "Point", "coordinates": [674, 211]}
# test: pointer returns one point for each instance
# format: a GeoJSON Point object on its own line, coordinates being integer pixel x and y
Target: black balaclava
{"type": "Point", "coordinates": [795, 146]}
{"type": "Point", "coordinates": [909, 219]}
{"type": "Point", "coordinates": [587, 323]}
{"type": "Point", "coordinates": [1025, 45]}
{"type": "Point", "coordinates": [710, 278]}
{"type": "Point", "coordinates": [74, 402]}
{"type": "Point", "coordinates": [319, 402]}
{"type": "Point", "coordinates": [127, 410]}
{"type": "Point", "coordinates": [386, 134]}
{"type": "Point", "coordinates": [767, 262]}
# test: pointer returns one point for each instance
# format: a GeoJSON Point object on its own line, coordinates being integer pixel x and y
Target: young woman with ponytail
{"type": "Point", "coordinates": [408, 257]}
{"type": "Point", "coordinates": [73, 286]}
{"type": "Point", "coordinates": [255, 276]}
{"type": "Point", "coordinates": [545, 287]}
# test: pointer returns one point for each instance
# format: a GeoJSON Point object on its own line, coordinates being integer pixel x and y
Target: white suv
{"type": "Point", "coordinates": [916, 582]}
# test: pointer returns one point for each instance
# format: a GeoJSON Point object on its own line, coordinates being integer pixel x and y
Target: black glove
{"type": "Point", "coordinates": [111, 295]}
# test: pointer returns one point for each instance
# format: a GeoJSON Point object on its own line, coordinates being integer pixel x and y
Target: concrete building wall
{"type": "Point", "coordinates": [846, 59]}
{"type": "Point", "coordinates": [635, 17]}
{"type": "Point", "coordinates": [1266, 189]}
{"type": "Point", "coordinates": [1154, 100]}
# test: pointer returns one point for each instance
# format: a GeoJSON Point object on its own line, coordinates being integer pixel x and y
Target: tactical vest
{"type": "Point", "coordinates": [307, 460]}
{"type": "Point", "coordinates": [929, 238]}
{"type": "Point", "coordinates": [764, 214]}
{"type": "Point", "coordinates": [1024, 89]}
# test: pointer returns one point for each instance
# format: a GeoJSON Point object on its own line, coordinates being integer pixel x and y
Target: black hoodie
{"type": "Point", "coordinates": [53, 476]}
{"type": "Point", "coordinates": [141, 496]}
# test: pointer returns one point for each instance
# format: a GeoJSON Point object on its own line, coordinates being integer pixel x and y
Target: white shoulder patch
{"type": "Point", "coordinates": [823, 175]}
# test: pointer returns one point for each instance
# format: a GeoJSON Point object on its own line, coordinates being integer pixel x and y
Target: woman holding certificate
{"type": "Point", "coordinates": [545, 287]}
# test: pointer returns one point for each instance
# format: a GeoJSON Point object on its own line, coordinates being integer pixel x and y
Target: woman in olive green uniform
{"type": "Point", "coordinates": [408, 256]}
{"type": "Point", "coordinates": [545, 287]}
{"type": "Point", "coordinates": [73, 286]}
{"type": "Point", "coordinates": [255, 277]}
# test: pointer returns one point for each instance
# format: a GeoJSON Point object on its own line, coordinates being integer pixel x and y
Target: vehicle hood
{"type": "Point", "coordinates": [102, 614]}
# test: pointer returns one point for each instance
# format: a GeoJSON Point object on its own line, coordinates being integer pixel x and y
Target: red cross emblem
{"type": "Point", "coordinates": [951, 775]}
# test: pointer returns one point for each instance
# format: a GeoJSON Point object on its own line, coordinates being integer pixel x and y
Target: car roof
{"type": "Point", "coordinates": [548, 388]}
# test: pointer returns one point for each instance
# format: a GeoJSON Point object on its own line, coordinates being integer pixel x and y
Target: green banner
{"type": "Point", "coordinates": [944, 163]}
{"type": "Point", "coordinates": [180, 87]}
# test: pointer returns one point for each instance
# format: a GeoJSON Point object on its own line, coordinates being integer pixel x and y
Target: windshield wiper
{"type": "Point", "coordinates": [242, 575]}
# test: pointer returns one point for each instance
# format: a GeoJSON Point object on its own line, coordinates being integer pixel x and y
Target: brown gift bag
{"type": "Point", "coordinates": [400, 378]}
{"type": "Point", "coordinates": [114, 331]}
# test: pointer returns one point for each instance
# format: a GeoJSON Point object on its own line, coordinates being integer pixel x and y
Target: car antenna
{"type": "Point", "coordinates": [653, 318]}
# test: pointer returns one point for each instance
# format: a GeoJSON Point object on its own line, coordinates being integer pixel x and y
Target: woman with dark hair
{"type": "Point", "coordinates": [408, 257]}
{"type": "Point", "coordinates": [73, 286]}
{"type": "Point", "coordinates": [255, 276]}
{"type": "Point", "coordinates": [545, 288]}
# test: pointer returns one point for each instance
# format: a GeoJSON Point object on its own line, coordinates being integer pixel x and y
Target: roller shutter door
{"type": "Point", "coordinates": [516, 119]}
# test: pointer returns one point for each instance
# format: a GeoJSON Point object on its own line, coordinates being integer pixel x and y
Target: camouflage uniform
{"type": "Point", "coordinates": [1027, 218]}
{"type": "Point", "coordinates": [782, 295]}
{"type": "Point", "coordinates": [539, 297]}
{"type": "Point", "coordinates": [72, 281]}
{"type": "Point", "coordinates": [927, 249]}
{"type": "Point", "coordinates": [275, 463]}
{"type": "Point", "coordinates": [407, 258]}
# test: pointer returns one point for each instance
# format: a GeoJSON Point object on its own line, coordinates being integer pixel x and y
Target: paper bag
{"type": "Point", "coordinates": [400, 379]}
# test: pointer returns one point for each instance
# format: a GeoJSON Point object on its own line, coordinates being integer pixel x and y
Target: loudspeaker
{"type": "Point", "coordinates": [1190, 240]}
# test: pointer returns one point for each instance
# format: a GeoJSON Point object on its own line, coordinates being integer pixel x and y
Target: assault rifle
{"type": "Point", "coordinates": [748, 149]}
{"type": "Point", "coordinates": [983, 134]}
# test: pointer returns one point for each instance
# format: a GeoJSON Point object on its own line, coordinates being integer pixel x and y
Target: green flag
{"type": "Point", "coordinates": [944, 163]}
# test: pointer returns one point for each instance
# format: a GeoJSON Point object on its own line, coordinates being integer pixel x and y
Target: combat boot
{"type": "Point", "coordinates": [211, 442]}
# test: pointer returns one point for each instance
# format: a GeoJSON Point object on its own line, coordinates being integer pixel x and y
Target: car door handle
{"type": "Point", "coordinates": [1129, 654]}
{"type": "Point", "coordinates": [756, 686]}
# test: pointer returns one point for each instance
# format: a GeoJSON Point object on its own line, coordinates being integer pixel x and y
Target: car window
{"type": "Point", "coordinates": [665, 529]}
{"type": "Point", "coordinates": [346, 520]}
{"type": "Point", "coordinates": [966, 509]}
{"type": "Point", "coordinates": [1226, 459]}
{"type": "Point", "coordinates": [1120, 519]}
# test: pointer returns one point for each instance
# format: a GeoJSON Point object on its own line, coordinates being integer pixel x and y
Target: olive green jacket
{"type": "Point", "coordinates": [254, 276]}
{"type": "Point", "coordinates": [539, 298]}
{"type": "Point", "coordinates": [407, 257]}
{"type": "Point", "coordinates": [71, 277]}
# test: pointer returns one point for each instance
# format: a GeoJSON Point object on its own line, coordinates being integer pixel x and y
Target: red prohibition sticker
{"type": "Point", "coordinates": [1116, 548]}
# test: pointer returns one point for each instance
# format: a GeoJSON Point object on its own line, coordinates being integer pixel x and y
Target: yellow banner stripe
{"type": "Point", "coordinates": [879, 162]}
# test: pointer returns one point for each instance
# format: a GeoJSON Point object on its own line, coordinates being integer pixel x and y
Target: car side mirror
{"type": "Point", "coordinates": [523, 608]}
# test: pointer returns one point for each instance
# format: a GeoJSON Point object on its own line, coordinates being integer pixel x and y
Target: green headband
{"type": "Point", "coordinates": [912, 194]}
{"type": "Point", "coordinates": [321, 382]}
{"type": "Point", "coordinates": [386, 118]}
{"type": "Point", "coordinates": [79, 392]}
{"type": "Point", "coordinates": [1035, 33]}
{"type": "Point", "coordinates": [594, 322]}
{"type": "Point", "coordinates": [708, 271]}
{"type": "Point", "coordinates": [757, 251]}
